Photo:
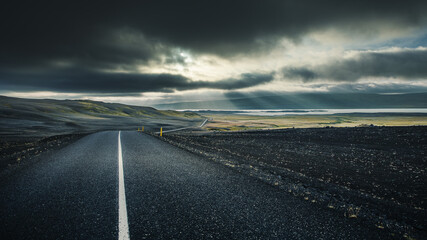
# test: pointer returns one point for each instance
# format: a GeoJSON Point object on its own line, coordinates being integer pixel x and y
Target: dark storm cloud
{"type": "Point", "coordinates": [38, 37]}
{"type": "Point", "coordinates": [405, 64]}
{"type": "Point", "coordinates": [83, 30]}
{"type": "Point", "coordinates": [245, 81]}
{"type": "Point", "coordinates": [99, 82]}
{"type": "Point", "coordinates": [374, 88]}
{"type": "Point", "coordinates": [228, 26]}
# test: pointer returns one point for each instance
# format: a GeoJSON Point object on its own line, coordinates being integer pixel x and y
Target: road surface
{"type": "Point", "coordinates": [168, 193]}
{"type": "Point", "coordinates": [184, 128]}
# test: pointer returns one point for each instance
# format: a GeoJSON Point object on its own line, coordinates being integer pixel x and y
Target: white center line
{"type": "Point", "coordinates": [123, 214]}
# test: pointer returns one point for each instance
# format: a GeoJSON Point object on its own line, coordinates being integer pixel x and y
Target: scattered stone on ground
{"type": "Point", "coordinates": [377, 174]}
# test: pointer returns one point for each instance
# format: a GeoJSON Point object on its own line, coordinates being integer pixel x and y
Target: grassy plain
{"type": "Point", "coordinates": [237, 122]}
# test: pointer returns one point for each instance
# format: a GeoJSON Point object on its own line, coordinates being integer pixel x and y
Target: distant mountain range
{"type": "Point", "coordinates": [309, 101]}
{"type": "Point", "coordinates": [45, 117]}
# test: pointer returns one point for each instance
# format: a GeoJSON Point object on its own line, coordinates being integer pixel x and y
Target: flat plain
{"type": "Point", "coordinates": [374, 174]}
{"type": "Point", "coordinates": [236, 122]}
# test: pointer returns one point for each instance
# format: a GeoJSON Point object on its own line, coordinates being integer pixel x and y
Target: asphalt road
{"type": "Point", "coordinates": [73, 193]}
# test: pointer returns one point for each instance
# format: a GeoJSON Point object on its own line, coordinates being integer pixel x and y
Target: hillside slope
{"type": "Point", "coordinates": [46, 117]}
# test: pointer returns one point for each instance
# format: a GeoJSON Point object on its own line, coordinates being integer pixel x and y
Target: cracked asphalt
{"type": "Point", "coordinates": [72, 193]}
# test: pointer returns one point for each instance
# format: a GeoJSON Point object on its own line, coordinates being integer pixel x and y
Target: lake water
{"type": "Point", "coordinates": [280, 112]}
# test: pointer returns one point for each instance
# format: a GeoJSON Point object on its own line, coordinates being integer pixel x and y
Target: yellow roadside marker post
{"type": "Point", "coordinates": [161, 132]}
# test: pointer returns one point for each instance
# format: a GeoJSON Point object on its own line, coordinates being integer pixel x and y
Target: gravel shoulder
{"type": "Point", "coordinates": [18, 151]}
{"type": "Point", "coordinates": [374, 174]}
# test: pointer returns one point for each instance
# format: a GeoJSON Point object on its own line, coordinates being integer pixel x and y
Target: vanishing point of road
{"type": "Point", "coordinates": [129, 185]}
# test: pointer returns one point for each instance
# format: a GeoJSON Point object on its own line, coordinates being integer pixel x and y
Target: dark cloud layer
{"type": "Point", "coordinates": [84, 30]}
{"type": "Point", "coordinates": [382, 88]}
{"type": "Point", "coordinates": [39, 38]}
{"type": "Point", "coordinates": [97, 82]}
{"type": "Point", "coordinates": [406, 64]}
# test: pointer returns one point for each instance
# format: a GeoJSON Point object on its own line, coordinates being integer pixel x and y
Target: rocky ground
{"type": "Point", "coordinates": [376, 175]}
{"type": "Point", "coordinates": [18, 151]}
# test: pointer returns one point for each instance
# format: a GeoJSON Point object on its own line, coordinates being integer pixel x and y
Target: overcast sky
{"type": "Point", "coordinates": [163, 51]}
